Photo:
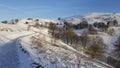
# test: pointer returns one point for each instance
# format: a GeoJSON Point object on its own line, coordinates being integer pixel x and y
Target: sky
{"type": "Point", "coordinates": [52, 9]}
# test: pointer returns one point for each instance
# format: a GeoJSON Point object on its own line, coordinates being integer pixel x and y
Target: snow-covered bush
{"type": "Point", "coordinates": [111, 31]}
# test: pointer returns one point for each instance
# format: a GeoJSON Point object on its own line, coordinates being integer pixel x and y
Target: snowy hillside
{"type": "Point", "coordinates": [28, 20]}
{"type": "Point", "coordinates": [27, 43]}
{"type": "Point", "coordinates": [94, 17]}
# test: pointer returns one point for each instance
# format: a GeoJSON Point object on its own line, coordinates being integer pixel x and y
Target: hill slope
{"type": "Point", "coordinates": [94, 17]}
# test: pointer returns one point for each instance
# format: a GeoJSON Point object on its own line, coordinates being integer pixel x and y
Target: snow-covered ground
{"type": "Point", "coordinates": [94, 17]}
{"type": "Point", "coordinates": [58, 56]}
{"type": "Point", "coordinates": [9, 55]}
{"type": "Point", "coordinates": [17, 49]}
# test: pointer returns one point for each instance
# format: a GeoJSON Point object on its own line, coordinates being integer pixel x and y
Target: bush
{"type": "Point", "coordinates": [111, 32]}
{"type": "Point", "coordinates": [92, 30]}
{"type": "Point", "coordinates": [82, 25]}
{"type": "Point", "coordinates": [30, 18]}
{"type": "Point", "coordinates": [37, 41]}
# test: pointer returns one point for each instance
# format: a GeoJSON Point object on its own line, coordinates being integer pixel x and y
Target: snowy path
{"type": "Point", "coordinates": [9, 55]}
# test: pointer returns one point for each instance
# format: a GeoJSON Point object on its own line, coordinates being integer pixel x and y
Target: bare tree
{"type": "Point", "coordinates": [96, 49]}
{"type": "Point", "coordinates": [52, 27]}
{"type": "Point", "coordinates": [84, 38]}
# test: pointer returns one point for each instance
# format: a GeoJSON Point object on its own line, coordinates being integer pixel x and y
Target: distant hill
{"type": "Point", "coordinates": [94, 17]}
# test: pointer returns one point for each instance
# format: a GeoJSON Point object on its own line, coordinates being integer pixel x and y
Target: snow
{"type": "Point", "coordinates": [94, 17]}
{"type": "Point", "coordinates": [80, 31]}
{"type": "Point", "coordinates": [9, 56]}
{"type": "Point", "coordinates": [18, 51]}
{"type": "Point", "coordinates": [50, 57]}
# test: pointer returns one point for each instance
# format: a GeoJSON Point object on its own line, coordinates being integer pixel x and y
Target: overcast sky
{"type": "Point", "coordinates": [52, 9]}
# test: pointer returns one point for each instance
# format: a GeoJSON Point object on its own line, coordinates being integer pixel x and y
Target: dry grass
{"type": "Point", "coordinates": [6, 29]}
{"type": "Point", "coordinates": [37, 41]}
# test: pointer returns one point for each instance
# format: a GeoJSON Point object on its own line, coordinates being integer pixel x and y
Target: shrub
{"type": "Point", "coordinates": [92, 30]}
{"type": "Point", "coordinates": [111, 31]}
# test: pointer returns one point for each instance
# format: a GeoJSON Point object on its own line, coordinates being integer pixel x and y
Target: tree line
{"type": "Point", "coordinates": [82, 42]}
